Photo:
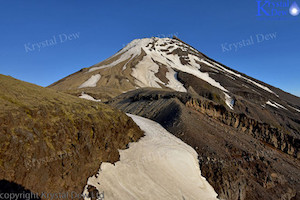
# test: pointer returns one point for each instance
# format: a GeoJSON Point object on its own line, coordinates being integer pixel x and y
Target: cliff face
{"type": "Point", "coordinates": [241, 156]}
{"type": "Point", "coordinates": [280, 139]}
{"type": "Point", "coordinates": [52, 142]}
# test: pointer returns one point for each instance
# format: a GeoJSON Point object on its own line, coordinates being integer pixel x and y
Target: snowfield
{"type": "Point", "coordinates": [158, 166]}
{"type": "Point", "coordinates": [145, 71]}
{"type": "Point", "coordinates": [91, 82]}
{"type": "Point", "coordinates": [131, 50]}
{"type": "Point", "coordinates": [171, 62]}
{"type": "Point", "coordinates": [88, 97]}
{"type": "Point", "coordinates": [159, 53]}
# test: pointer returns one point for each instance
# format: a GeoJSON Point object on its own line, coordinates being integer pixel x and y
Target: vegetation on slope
{"type": "Point", "coordinates": [52, 142]}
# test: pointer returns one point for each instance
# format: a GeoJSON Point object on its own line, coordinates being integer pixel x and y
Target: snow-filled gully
{"type": "Point", "coordinates": [158, 166]}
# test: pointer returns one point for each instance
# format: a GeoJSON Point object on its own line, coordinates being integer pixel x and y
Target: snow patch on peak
{"type": "Point", "coordinates": [275, 105]}
{"type": "Point", "coordinates": [220, 67]}
{"type": "Point", "coordinates": [229, 101]}
{"type": "Point", "coordinates": [162, 55]}
{"type": "Point", "coordinates": [144, 73]}
{"type": "Point", "coordinates": [161, 50]}
{"type": "Point", "coordinates": [132, 49]}
{"type": "Point", "coordinates": [294, 108]}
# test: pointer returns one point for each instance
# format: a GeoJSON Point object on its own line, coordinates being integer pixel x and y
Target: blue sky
{"type": "Point", "coordinates": [101, 28]}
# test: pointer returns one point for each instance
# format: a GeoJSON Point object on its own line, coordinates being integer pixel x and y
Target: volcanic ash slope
{"type": "Point", "coordinates": [159, 166]}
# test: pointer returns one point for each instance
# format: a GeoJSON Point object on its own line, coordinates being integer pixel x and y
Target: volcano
{"type": "Point", "coordinates": [246, 132]}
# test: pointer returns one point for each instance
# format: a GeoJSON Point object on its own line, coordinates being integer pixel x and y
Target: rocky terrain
{"type": "Point", "coordinates": [51, 142]}
{"type": "Point", "coordinates": [241, 157]}
{"type": "Point", "coordinates": [246, 132]}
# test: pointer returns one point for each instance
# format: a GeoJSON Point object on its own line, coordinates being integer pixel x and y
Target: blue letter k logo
{"type": "Point", "coordinates": [261, 8]}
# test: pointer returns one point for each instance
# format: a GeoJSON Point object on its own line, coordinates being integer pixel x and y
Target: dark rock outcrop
{"type": "Point", "coordinates": [242, 157]}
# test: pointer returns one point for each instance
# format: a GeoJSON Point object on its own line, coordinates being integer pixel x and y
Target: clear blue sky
{"type": "Point", "coordinates": [105, 26]}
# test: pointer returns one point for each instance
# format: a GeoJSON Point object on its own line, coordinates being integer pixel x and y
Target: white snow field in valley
{"type": "Point", "coordinates": [158, 166]}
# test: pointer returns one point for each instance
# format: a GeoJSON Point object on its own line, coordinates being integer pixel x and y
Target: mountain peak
{"type": "Point", "coordinates": [165, 63]}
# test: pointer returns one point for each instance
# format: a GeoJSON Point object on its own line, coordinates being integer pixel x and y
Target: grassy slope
{"type": "Point", "coordinates": [51, 141]}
